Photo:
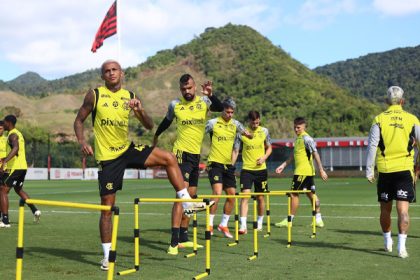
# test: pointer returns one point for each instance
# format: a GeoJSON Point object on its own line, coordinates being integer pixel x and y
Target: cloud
{"type": "Point", "coordinates": [316, 14]}
{"type": "Point", "coordinates": [54, 38]}
{"type": "Point", "coordinates": [397, 8]}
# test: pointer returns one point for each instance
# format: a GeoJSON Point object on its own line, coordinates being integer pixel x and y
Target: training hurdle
{"type": "Point", "coordinates": [289, 217]}
{"type": "Point", "coordinates": [19, 248]}
{"type": "Point", "coordinates": [137, 202]}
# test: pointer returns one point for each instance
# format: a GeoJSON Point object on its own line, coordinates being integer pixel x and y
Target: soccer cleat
{"type": "Point", "coordinates": [172, 250]}
{"type": "Point", "coordinates": [403, 253]}
{"type": "Point", "coordinates": [243, 231]}
{"type": "Point", "coordinates": [37, 216]}
{"type": "Point", "coordinates": [104, 264]}
{"type": "Point", "coordinates": [282, 223]}
{"type": "Point", "coordinates": [188, 244]}
{"type": "Point", "coordinates": [388, 245]}
{"type": "Point", "coordinates": [191, 207]}
{"type": "Point", "coordinates": [3, 225]}
{"type": "Point", "coordinates": [319, 224]}
{"type": "Point", "coordinates": [211, 230]}
{"type": "Point", "coordinates": [259, 227]}
{"type": "Point", "coordinates": [225, 231]}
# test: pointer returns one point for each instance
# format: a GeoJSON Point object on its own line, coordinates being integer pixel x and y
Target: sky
{"type": "Point", "coordinates": [54, 38]}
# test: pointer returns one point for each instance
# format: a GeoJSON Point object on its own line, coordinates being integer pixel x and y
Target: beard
{"type": "Point", "coordinates": [188, 97]}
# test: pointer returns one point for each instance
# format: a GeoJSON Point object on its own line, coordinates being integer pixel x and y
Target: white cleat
{"type": "Point", "coordinates": [37, 216]}
{"type": "Point", "coordinates": [3, 225]}
{"type": "Point", "coordinates": [403, 254]}
{"type": "Point", "coordinates": [191, 207]}
{"type": "Point", "coordinates": [104, 265]}
{"type": "Point", "coordinates": [388, 245]}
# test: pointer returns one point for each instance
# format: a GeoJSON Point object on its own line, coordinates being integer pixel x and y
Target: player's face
{"type": "Point", "coordinates": [227, 114]}
{"type": "Point", "coordinates": [254, 124]}
{"type": "Point", "coordinates": [1, 130]}
{"type": "Point", "coordinates": [112, 74]}
{"type": "Point", "coordinates": [188, 90]}
{"type": "Point", "coordinates": [299, 128]}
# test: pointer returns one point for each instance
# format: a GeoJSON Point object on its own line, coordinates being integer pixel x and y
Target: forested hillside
{"type": "Point", "coordinates": [369, 76]}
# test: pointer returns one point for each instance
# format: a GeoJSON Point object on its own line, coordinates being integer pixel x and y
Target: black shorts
{"type": "Point", "coordinates": [303, 183]}
{"type": "Point", "coordinates": [222, 174]}
{"type": "Point", "coordinates": [256, 177]}
{"type": "Point", "coordinates": [188, 163]}
{"type": "Point", "coordinates": [111, 172]}
{"type": "Point", "coordinates": [395, 186]}
{"type": "Point", "coordinates": [15, 179]}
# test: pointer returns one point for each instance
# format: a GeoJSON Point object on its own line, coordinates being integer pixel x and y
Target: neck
{"type": "Point", "coordinates": [113, 88]}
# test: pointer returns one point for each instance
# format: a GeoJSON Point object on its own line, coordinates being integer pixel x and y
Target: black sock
{"type": "Point", "coordinates": [175, 237]}
{"type": "Point", "coordinates": [5, 219]}
{"type": "Point", "coordinates": [33, 208]}
{"type": "Point", "coordinates": [183, 234]}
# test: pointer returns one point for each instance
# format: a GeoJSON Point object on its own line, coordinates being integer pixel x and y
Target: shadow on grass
{"type": "Point", "coordinates": [74, 255]}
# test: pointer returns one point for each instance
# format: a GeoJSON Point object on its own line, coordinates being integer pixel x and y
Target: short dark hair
{"type": "Point", "coordinates": [253, 115]}
{"type": "Point", "coordinates": [229, 103]}
{"type": "Point", "coordinates": [299, 120]}
{"type": "Point", "coordinates": [1, 123]}
{"type": "Point", "coordinates": [10, 118]}
{"type": "Point", "coordinates": [185, 78]}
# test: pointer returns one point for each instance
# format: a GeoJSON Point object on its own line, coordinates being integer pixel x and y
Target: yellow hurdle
{"type": "Point", "coordinates": [19, 249]}
{"type": "Point", "coordinates": [255, 231]}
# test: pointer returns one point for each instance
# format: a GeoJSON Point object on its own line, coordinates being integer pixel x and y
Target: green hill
{"type": "Point", "coordinates": [242, 64]}
{"type": "Point", "coordinates": [369, 76]}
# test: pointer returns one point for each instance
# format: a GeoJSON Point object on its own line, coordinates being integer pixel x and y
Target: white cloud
{"type": "Point", "coordinates": [54, 38]}
{"type": "Point", "coordinates": [316, 14]}
{"type": "Point", "coordinates": [397, 8]}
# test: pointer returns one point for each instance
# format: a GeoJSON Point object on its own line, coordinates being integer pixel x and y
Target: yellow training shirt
{"type": "Point", "coordinates": [396, 142]}
{"type": "Point", "coordinates": [190, 122]}
{"type": "Point", "coordinates": [223, 136]}
{"type": "Point", "coordinates": [253, 149]}
{"type": "Point", "coordinates": [303, 150]}
{"type": "Point", "coordinates": [3, 147]}
{"type": "Point", "coordinates": [18, 162]}
{"type": "Point", "coordinates": [110, 123]}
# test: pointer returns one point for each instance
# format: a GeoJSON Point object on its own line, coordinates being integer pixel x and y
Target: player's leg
{"type": "Point", "coordinates": [318, 217]}
{"type": "Point", "coordinates": [4, 206]}
{"type": "Point", "coordinates": [385, 222]}
{"type": "Point", "coordinates": [105, 228]}
{"type": "Point", "coordinates": [403, 226]}
{"type": "Point", "coordinates": [260, 210]}
{"type": "Point", "coordinates": [227, 210]}
{"type": "Point", "coordinates": [246, 185]}
{"type": "Point", "coordinates": [261, 185]}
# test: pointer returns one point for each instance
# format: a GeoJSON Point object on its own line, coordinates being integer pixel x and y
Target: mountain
{"type": "Point", "coordinates": [242, 64]}
{"type": "Point", "coordinates": [369, 76]}
{"type": "Point", "coordinates": [29, 83]}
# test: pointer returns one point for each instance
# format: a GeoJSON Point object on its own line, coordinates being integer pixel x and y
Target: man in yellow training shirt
{"type": "Point", "coordinates": [223, 131]}
{"type": "Point", "coordinates": [3, 154]}
{"type": "Point", "coordinates": [255, 152]}
{"type": "Point", "coordinates": [304, 152]}
{"type": "Point", "coordinates": [190, 114]}
{"type": "Point", "coordinates": [395, 132]}
{"type": "Point", "coordinates": [110, 106]}
{"type": "Point", "coordinates": [16, 168]}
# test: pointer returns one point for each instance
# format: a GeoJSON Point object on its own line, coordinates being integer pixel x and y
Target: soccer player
{"type": "Point", "coordinates": [110, 106]}
{"type": "Point", "coordinates": [3, 154]}
{"type": "Point", "coordinates": [395, 132]}
{"type": "Point", "coordinates": [255, 152]}
{"type": "Point", "coordinates": [223, 130]}
{"type": "Point", "coordinates": [303, 154]}
{"type": "Point", "coordinates": [15, 161]}
{"type": "Point", "coordinates": [190, 112]}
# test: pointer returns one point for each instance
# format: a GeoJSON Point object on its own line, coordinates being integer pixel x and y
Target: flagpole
{"type": "Point", "coordinates": [119, 29]}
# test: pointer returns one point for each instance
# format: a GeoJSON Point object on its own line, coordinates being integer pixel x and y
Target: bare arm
{"type": "Point", "coordinates": [14, 140]}
{"type": "Point", "coordinates": [140, 113]}
{"type": "Point", "coordinates": [235, 154]}
{"type": "Point", "coordinates": [268, 151]}
{"type": "Point", "coordinates": [282, 166]}
{"type": "Point", "coordinates": [84, 112]}
{"type": "Point", "coordinates": [322, 172]}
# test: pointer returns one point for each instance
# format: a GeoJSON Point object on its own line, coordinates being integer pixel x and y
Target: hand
{"type": "Point", "coordinates": [207, 88]}
{"type": "Point", "coordinates": [280, 168]}
{"type": "Point", "coordinates": [86, 149]}
{"type": "Point", "coordinates": [260, 161]}
{"type": "Point", "coordinates": [371, 179]}
{"type": "Point", "coordinates": [248, 134]}
{"type": "Point", "coordinates": [135, 104]}
{"type": "Point", "coordinates": [323, 174]}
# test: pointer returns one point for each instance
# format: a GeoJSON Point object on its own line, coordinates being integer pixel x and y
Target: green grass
{"type": "Point", "coordinates": [65, 244]}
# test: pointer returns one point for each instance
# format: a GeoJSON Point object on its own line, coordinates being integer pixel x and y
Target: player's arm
{"type": "Point", "coordinates": [236, 148]}
{"type": "Point", "coordinates": [165, 123]}
{"type": "Point", "coordinates": [241, 129]}
{"type": "Point", "coordinates": [267, 146]}
{"type": "Point", "coordinates": [13, 139]}
{"type": "Point", "coordinates": [215, 105]}
{"type": "Point", "coordinates": [322, 172]}
{"type": "Point", "coordinates": [373, 141]}
{"type": "Point", "coordinates": [282, 166]}
{"type": "Point", "coordinates": [84, 111]}
{"type": "Point", "coordinates": [417, 136]}
{"type": "Point", "coordinates": [140, 113]}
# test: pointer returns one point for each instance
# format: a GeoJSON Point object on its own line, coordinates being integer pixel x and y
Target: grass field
{"type": "Point", "coordinates": [65, 244]}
